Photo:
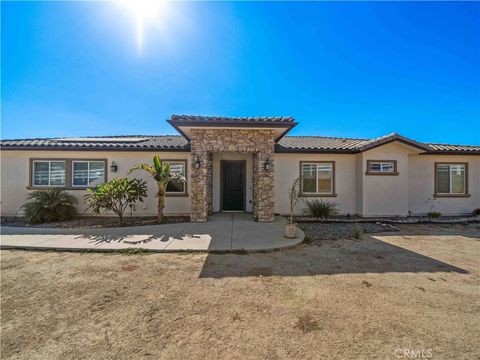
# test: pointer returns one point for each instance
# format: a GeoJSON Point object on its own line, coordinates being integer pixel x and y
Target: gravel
{"type": "Point", "coordinates": [94, 222]}
{"type": "Point", "coordinates": [315, 232]}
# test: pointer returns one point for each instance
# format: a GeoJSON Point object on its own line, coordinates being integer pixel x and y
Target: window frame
{"type": "Point", "coordinates": [68, 173]}
{"type": "Point", "coordinates": [393, 173]}
{"type": "Point", "coordinates": [49, 161]}
{"type": "Point", "coordinates": [184, 193]}
{"type": "Point", "coordinates": [317, 194]}
{"type": "Point", "coordinates": [88, 161]}
{"type": "Point", "coordinates": [450, 195]}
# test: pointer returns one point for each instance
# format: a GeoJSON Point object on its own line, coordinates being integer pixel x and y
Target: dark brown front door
{"type": "Point", "coordinates": [233, 185]}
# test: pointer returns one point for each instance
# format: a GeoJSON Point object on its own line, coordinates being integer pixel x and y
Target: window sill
{"type": "Point", "coordinates": [382, 174]}
{"type": "Point", "coordinates": [318, 195]}
{"type": "Point", "coordinates": [176, 195]}
{"type": "Point", "coordinates": [451, 195]}
{"type": "Point", "coordinates": [57, 188]}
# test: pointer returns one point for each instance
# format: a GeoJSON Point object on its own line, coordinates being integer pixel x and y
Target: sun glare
{"type": "Point", "coordinates": [144, 12]}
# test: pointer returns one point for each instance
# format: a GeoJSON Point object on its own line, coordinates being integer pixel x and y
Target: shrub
{"type": "Point", "coordinates": [116, 195]}
{"type": "Point", "coordinates": [294, 197]}
{"type": "Point", "coordinates": [434, 214]}
{"type": "Point", "coordinates": [320, 208]}
{"type": "Point", "coordinates": [357, 231]}
{"type": "Point", "coordinates": [49, 205]}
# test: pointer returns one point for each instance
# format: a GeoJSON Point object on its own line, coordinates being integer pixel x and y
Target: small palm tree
{"type": "Point", "coordinates": [49, 205]}
{"type": "Point", "coordinates": [162, 174]}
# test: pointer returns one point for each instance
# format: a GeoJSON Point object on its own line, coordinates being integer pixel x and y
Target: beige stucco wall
{"type": "Point", "coordinates": [356, 192]}
{"type": "Point", "coordinates": [287, 169]}
{"type": "Point", "coordinates": [385, 195]}
{"type": "Point", "coordinates": [216, 188]}
{"type": "Point", "coordinates": [15, 178]}
{"type": "Point", "coordinates": [421, 184]}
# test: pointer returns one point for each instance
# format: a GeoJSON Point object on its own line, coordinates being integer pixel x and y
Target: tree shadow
{"type": "Point", "coordinates": [367, 255]}
{"type": "Point", "coordinates": [99, 239]}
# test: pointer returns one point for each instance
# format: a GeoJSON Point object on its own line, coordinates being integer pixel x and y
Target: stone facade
{"type": "Point", "coordinates": [259, 142]}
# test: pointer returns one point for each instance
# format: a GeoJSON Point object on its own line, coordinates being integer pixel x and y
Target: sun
{"type": "Point", "coordinates": [144, 12]}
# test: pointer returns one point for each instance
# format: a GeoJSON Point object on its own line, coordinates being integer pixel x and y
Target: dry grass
{"type": "Point", "coordinates": [417, 289]}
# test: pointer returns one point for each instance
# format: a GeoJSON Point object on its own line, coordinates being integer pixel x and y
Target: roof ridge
{"type": "Point", "coordinates": [443, 144]}
{"type": "Point", "coordinates": [89, 137]}
{"type": "Point", "coordinates": [325, 137]}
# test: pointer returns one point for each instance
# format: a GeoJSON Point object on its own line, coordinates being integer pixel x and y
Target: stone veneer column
{"type": "Point", "coordinates": [204, 142]}
{"type": "Point", "coordinates": [199, 188]}
{"type": "Point", "coordinates": [264, 204]}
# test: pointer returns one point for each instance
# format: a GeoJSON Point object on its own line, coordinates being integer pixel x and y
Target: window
{"type": "Point", "coordinates": [177, 187]}
{"type": "Point", "coordinates": [451, 179]}
{"type": "Point", "coordinates": [381, 167]}
{"type": "Point", "coordinates": [317, 178]}
{"type": "Point", "coordinates": [48, 173]}
{"type": "Point", "coordinates": [87, 173]}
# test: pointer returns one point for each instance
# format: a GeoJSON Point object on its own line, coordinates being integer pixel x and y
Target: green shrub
{"type": "Point", "coordinates": [49, 205]}
{"type": "Point", "coordinates": [116, 195]}
{"type": "Point", "coordinates": [434, 214]}
{"type": "Point", "coordinates": [320, 208]}
{"type": "Point", "coordinates": [357, 231]}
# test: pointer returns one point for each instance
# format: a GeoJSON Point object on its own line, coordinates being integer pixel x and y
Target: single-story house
{"type": "Point", "coordinates": [248, 164]}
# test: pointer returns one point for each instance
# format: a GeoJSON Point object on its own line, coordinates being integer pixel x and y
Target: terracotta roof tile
{"type": "Point", "coordinates": [289, 144]}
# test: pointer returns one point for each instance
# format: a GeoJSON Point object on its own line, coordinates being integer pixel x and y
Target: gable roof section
{"type": "Point", "coordinates": [386, 139]}
{"type": "Point", "coordinates": [183, 123]}
{"type": "Point", "coordinates": [320, 144]}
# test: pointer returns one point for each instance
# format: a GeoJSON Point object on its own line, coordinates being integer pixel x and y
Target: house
{"type": "Point", "coordinates": [247, 164]}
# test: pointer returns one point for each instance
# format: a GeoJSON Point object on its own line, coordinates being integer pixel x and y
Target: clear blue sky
{"type": "Point", "coordinates": [351, 69]}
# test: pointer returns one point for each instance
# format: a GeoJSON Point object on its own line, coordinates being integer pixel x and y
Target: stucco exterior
{"type": "Point", "coordinates": [15, 178]}
{"type": "Point", "coordinates": [355, 192]}
{"type": "Point", "coordinates": [248, 164]}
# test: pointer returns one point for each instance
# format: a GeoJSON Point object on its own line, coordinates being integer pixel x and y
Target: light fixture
{"type": "Point", "coordinates": [197, 163]}
{"type": "Point", "coordinates": [266, 165]}
{"type": "Point", "coordinates": [113, 167]}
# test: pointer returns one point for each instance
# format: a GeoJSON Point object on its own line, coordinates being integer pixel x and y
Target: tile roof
{"type": "Point", "coordinates": [107, 143]}
{"type": "Point", "coordinates": [178, 119]}
{"type": "Point", "coordinates": [317, 143]}
{"type": "Point", "coordinates": [289, 144]}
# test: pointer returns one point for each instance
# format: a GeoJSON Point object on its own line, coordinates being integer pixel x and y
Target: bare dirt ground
{"type": "Point", "coordinates": [417, 289]}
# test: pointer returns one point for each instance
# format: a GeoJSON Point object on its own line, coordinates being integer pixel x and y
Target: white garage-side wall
{"type": "Point", "coordinates": [287, 169]}
{"type": "Point", "coordinates": [15, 178]}
{"type": "Point", "coordinates": [422, 187]}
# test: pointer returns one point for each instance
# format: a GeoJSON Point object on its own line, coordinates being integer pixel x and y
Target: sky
{"type": "Point", "coordinates": [346, 69]}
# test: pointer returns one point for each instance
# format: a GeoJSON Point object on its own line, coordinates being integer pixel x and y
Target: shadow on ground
{"type": "Point", "coordinates": [367, 255]}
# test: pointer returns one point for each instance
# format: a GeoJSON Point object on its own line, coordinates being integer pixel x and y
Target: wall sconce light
{"type": "Point", "coordinates": [197, 163]}
{"type": "Point", "coordinates": [266, 165]}
{"type": "Point", "coordinates": [113, 167]}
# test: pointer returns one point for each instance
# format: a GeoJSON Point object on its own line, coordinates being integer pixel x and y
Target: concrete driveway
{"type": "Point", "coordinates": [223, 232]}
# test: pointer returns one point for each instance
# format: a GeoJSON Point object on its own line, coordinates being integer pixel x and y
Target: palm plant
{"type": "Point", "coordinates": [162, 174]}
{"type": "Point", "coordinates": [49, 205]}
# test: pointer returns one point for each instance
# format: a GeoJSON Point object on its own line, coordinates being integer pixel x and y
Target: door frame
{"type": "Point", "coordinates": [244, 166]}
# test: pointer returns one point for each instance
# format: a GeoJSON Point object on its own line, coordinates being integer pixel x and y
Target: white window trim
{"type": "Point", "coordinates": [392, 163]}
{"type": "Point", "coordinates": [88, 172]}
{"type": "Point", "coordinates": [332, 177]}
{"type": "Point", "coordinates": [49, 173]}
{"type": "Point", "coordinates": [450, 178]}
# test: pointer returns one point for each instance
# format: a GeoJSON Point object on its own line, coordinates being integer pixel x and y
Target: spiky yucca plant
{"type": "Point", "coordinates": [162, 174]}
{"type": "Point", "coordinates": [320, 208]}
{"type": "Point", "coordinates": [49, 205]}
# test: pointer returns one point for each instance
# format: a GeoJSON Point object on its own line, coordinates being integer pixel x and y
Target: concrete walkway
{"type": "Point", "coordinates": [222, 232]}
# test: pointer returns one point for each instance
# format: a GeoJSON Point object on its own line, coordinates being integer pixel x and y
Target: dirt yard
{"type": "Point", "coordinates": [417, 290]}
